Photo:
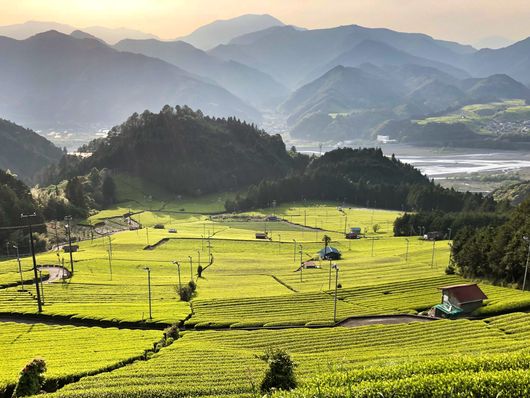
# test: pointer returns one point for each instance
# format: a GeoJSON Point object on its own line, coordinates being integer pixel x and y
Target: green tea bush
{"type": "Point", "coordinates": [31, 379]}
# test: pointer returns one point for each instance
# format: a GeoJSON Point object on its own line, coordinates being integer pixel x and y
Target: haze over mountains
{"type": "Point", "coordinates": [328, 84]}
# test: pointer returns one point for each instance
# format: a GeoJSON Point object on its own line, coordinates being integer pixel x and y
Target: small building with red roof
{"type": "Point", "coordinates": [459, 300]}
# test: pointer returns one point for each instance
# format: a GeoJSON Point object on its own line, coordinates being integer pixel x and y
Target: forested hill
{"type": "Point", "coordinates": [24, 152]}
{"type": "Point", "coordinates": [15, 198]}
{"type": "Point", "coordinates": [495, 253]}
{"type": "Point", "coordinates": [363, 177]}
{"type": "Point", "coordinates": [186, 152]}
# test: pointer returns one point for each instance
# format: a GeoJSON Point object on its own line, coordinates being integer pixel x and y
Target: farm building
{"type": "Point", "coordinates": [66, 248]}
{"type": "Point", "coordinates": [261, 235]}
{"type": "Point", "coordinates": [329, 253]}
{"type": "Point", "coordinates": [459, 300]}
{"type": "Point", "coordinates": [434, 235]}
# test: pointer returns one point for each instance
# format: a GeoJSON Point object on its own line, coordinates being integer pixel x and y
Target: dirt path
{"type": "Point", "coordinates": [56, 273]}
{"type": "Point", "coordinates": [384, 320]}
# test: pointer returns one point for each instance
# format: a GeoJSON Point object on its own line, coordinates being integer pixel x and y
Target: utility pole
{"type": "Point", "coordinates": [149, 291]}
{"type": "Point", "coordinates": [449, 237]}
{"type": "Point", "coordinates": [191, 268]}
{"type": "Point", "coordinates": [526, 239]}
{"type": "Point", "coordinates": [147, 234]}
{"type": "Point", "coordinates": [28, 216]}
{"type": "Point", "coordinates": [56, 237]}
{"type": "Point", "coordinates": [110, 256]}
{"type": "Point", "coordinates": [336, 288]}
{"type": "Point", "coordinates": [433, 246]}
{"type": "Point", "coordinates": [305, 218]}
{"type": "Point", "coordinates": [178, 270]}
{"type": "Point", "coordinates": [373, 242]}
{"type": "Point", "coordinates": [68, 219]}
{"type": "Point", "coordinates": [301, 252]}
{"type": "Point", "coordinates": [199, 255]}
{"type": "Point", "coordinates": [329, 279]}
{"type": "Point", "coordinates": [41, 286]}
{"type": "Point", "coordinates": [301, 263]}
{"type": "Point", "coordinates": [279, 243]}
{"type": "Point", "coordinates": [294, 252]}
{"type": "Point", "coordinates": [19, 269]}
{"type": "Point", "coordinates": [407, 252]}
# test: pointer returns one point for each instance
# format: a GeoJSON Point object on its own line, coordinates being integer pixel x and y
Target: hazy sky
{"type": "Point", "coordinates": [462, 20]}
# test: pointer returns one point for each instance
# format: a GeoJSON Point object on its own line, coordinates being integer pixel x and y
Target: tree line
{"type": "Point", "coordinates": [363, 177]}
{"type": "Point", "coordinates": [495, 252]}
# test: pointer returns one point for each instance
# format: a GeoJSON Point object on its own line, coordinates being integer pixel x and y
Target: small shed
{"type": "Point", "coordinates": [329, 253]}
{"type": "Point", "coordinates": [459, 300]}
{"type": "Point", "coordinates": [261, 235]}
{"type": "Point", "coordinates": [66, 248]}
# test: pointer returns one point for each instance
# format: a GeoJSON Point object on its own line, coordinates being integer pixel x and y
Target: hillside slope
{"type": "Point", "coordinates": [25, 152]}
{"type": "Point", "coordinates": [247, 83]}
{"type": "Point", "coordinates": [185, 152]}
{"type": "Point", "coordinates": [53, 80]}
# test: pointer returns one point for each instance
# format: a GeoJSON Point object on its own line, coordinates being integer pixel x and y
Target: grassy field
{"type": "Point", "coordinates": [248, 282]}
{"type": "Point", "coordinates": [479, 117]}
{"type": "Point", "coordinates": [68, 350]}
{"type": "Point", "coordinates": [224, 364]}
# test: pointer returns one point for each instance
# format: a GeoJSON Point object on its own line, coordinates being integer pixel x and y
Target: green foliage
{"type": "Point", "coordinates": [280, 373]}
{"type": "Point", "coordinates": [164, 148]}
{"type": "Point", "coordinates": [410, 224]}
{"type": "Point", "coordinates": [362, 177]}
{"type": "Point", "coordinates": [187, 292]}
{"type": "Point", "coordinates": [495, 253]}
{"type": "Point", "coordinates": [31, 378]}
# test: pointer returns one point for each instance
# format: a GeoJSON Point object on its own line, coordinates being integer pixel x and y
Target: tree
{"type": "Point", "coordinates": [326, 239]}
{"type": "Point", "coordinates": [31, 379]}
{"type": "Point", "coordinates": [280, 374]}
{"type": "Point", "coordinates": [75, 193]}
{"type": "Point", "coordinates": [376, 227]}
{"type": "Point", "coordinates": [108, 190]}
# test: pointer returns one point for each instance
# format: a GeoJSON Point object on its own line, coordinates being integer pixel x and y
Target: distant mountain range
{"type": "Point", "coordinates": [53, 80]}
{"type": "Point", "coordinates": [348, 102]}
{"type": "Point", "coordinates": [329, 84]}
{"type": "Point", "coordinates": [223, 31]}
{"type": "Point", "coordinates": [248, 83]}
{"type": "Point", "coordinates": [109, 35]}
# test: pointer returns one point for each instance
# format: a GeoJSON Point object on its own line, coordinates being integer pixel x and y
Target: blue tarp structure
{"type": "Point", "coordinates": [329, 253]}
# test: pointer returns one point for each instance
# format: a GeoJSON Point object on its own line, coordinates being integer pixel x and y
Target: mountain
{"type": "Point", "coordinates": [494, 88]}
{"type": "Point", "coordinates": [114, 35]}
{"type": "Point", "coordinates": [341, 90]}
{"type": "Point", "coordinates": [247, 83]}
{"type": "Point", "coordinates": [53, 80]}
{"type": "Point", "coordinates": [290, 55]}
{"type": "Point", "coordinates": [512, 60]}
{"type": "Point", "coordinates": [222, 31]}
{"type": "Point", "coordinates": [382, 54]}
{"type": "Point", "coordinates": [25, 152]}
{"type": "Point", "coordinates": [31, 28]}
{"type": "Point", "coordinates": [110, 35]}
{"type": "Point", "coordinates": [493, 42]}
{"type": "Point", "coordinates": [79, 34]}
{"type": "Point", "coordinates": [348, 103]}
{"type": "Point", "coordinates": [185, 152]}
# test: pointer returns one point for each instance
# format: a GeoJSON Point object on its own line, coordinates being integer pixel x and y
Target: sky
{"type": "Point", "coordinates": [465, 21]}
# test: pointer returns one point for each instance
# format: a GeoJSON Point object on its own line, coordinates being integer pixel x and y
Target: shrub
{"type": "Point", "coordinates": [199, 271]}
{"type": "Point", "coordinates": [280, 374]}
{"type": "Point", "coordinates": [172, 332]}
{"type": "Point", "coordinates": [31, 379]}
{"type": "Point", "coordinates": [185, 293]}
{"type": "Point", "coordinates": [193, 286]}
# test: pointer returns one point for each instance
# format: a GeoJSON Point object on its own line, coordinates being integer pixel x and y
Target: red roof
{"type": "Point", "coordinates": [466, 293]}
